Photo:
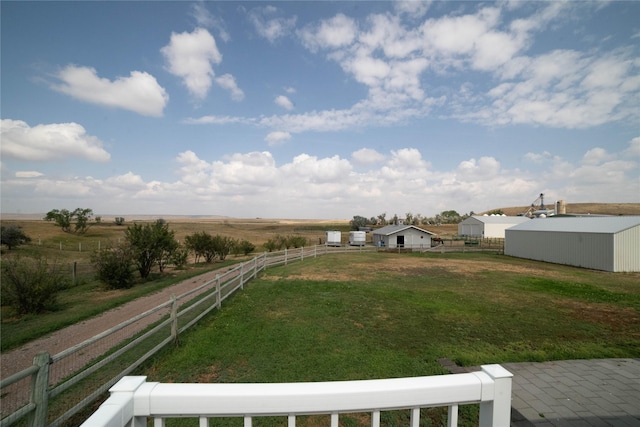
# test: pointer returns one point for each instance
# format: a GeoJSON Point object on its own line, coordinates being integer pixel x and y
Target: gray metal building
{"type": "Point", "coordinates": [489, 226]}
{"type": "Point", "coordinates": [601, 243]}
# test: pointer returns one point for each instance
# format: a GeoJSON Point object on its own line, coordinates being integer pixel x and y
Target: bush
{"type": "Point", "coordinates": [245, 246]}
{"type": "Point", "coordinates": [179, 257]}
{"type": "Point", "coordinates": [295, 242]}
{"type": "Point", "coordinates": [114, 267]}
{"type": "Point", "coordinates": [13, 236]}
{"type": "Point", "coordinates": [30, 286]}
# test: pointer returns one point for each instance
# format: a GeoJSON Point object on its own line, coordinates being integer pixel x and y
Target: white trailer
{"type": "Point", "coordinates": [334, 238]}
{"type": "Point", "coordinates": [357, 238]}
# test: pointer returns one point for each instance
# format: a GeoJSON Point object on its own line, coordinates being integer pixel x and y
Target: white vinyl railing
{"type": "Point", "coordinates": [133, 400]}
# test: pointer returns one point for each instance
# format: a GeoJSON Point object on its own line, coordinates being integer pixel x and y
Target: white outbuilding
{"type": "Point", "coordinates": [489, 226]}
{"type": "Point", "coordinates": [601, 243]}
{"type": "Point", "coordinates": [403, 236]}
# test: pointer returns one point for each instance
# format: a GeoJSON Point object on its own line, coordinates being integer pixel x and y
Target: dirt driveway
{"type": "Point", "coordinates": [20, 358]}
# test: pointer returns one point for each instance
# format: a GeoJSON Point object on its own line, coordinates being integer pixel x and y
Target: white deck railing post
{"type": "Point", "coordinates": [118, 408]}
{"type": "Point", "coordinates": [495, 410]}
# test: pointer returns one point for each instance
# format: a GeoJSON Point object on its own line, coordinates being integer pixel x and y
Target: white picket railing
{"type": "Point", "coordinates": [133, 400]}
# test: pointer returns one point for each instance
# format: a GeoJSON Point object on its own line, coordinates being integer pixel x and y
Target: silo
{"type": "Point", "coordinates": [561, 207]}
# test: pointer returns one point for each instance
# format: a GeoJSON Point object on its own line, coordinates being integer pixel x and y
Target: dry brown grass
{"type": "Point", "coordinates": [583, 208]}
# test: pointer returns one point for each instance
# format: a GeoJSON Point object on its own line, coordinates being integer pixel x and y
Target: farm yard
{"type": "Point", "coordinates": [376, 315]}
{"type": "Point", "coordinates": [385, 315]}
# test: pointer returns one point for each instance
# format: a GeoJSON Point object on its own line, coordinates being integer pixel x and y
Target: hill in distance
{"type": "Point", "coordinates": [581, 208]}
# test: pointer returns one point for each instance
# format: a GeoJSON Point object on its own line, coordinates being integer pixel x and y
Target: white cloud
{"type": "Point", "coordinates": [411, 8]}
{"type": "Point", "coordinates": [311, 169]}
{"type": "Point", "coordinates": [47, 142]}
{"type": "Point", "coordinates": [404, 180]}
{"type": "Point", "coordinates": [277, 138]}
{"type": "Point", "coordinates": [366, 156]}
{"type": "Point", "coordinates": [128, 181]}
{"type": "Point", "coordinates": [634, 148]}
{"type": "Point", "coordinates": [228, 82]}
{"type": "Point", "coordinates": [190, 56]}
{"type": "Point", "coordinates": [395, 62]}
{"type": "Point", "coordinates": [336, 32]}
{"type": "Point", "coordinates": [284, 102]}
{"type": "Point", "coordinates": [29, 174]}
{"type": "Point", "coordinates": [140, 92]}
{"type": "Point", "coordinates": [564, 89]}
{"type": "Point", "coordinates": [269, 25]}
{"type": "Point", "coordinates": [596, 156]}
{"type": "Point", "coordinates": [205, 19]}
{"type": "Point", "coordinates": [217, 120]}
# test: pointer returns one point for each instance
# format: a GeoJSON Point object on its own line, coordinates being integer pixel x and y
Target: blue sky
{"type": "Point", "coordinates": [317, 109]}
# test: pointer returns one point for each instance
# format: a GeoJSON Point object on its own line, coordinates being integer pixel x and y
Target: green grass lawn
{"type": "Point", "coordinates": [381, 315]}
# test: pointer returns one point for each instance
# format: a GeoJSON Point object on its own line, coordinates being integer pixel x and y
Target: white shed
{"type": "Point", "coordinates": [601, 243]}
{"type": "Point", "coordinates": [488, 226]}
{"type": "Point", "coordinates": [404, 236]}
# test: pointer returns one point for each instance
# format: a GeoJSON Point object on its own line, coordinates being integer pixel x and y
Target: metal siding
{"type": "Point", "coordinates": [470, 227]}
{"type": "Point", "coordinates": [588, 250]}
{"type": "Point", "coordinates": [626, 249]}
{"type": "Point", "coordinates": [495, 230]}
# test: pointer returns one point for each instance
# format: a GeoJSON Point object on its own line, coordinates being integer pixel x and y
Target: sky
{"type": "Point", "coordinates": [322, 110]}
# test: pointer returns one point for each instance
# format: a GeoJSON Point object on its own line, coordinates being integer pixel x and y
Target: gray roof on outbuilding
{"type": "Point", "coordinates": [585, 224]}
{"type": "Point", "coordinates": [498, 219]}
{"type": "Point", "coordinates": [393, 229]}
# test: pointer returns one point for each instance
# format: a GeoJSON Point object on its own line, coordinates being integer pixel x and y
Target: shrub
{"type": "Point", "coordinates": [30, 286]}
{"type": "Point", "coordinates": [13, 236]}
{"type": "Point", "coordinates": [114, 267]}
{"type": "Point", "coordinates": [246, 247]}
{"type": "Point", "coordinates": [295, 242]}
{"type": "Point", "coordinates": [179, 257]}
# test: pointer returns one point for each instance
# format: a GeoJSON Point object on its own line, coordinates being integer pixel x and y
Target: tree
{"type": "Point", "coordinates": [201, 244]}
{"type": "Point", "coordinates": [149, 244]}
{"type": "Point", "coordinates": [450, 217]}
{"type": "Point", "coordinates": [382, 220]}
{"type": "Point", "coordinates": [408, 218]}
{"type": "Point", "coordinates": [13, 236]}
{"type": "Point", "coordinates": [64, 219]}
{"type": "Point", "coordinates": [296, 242]}
{"type": "Point", "coordinates": [358, 221]}
{"type": "Point", "coordinates": [114, 266]}
{"type": "Point", "coordinates": [223, 246]}
{"type": "Point", "coordinates": [245, 246]}
{"type": "Point", "coordinates": [30, 286]}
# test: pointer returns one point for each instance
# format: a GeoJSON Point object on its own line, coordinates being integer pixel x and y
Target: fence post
{"type": "Point", "coordinates": [174, 318]}
{"type": "Point", "coordinates": [218, 296]}
{"type": "Point", "coordinates": [285, 256]}
{"type": "Point", "coordinates": [302, 254]}
{"type": "Point", "coordinates": [39, 390]}
{"type": "Point", "coordinates": [497, 411]}
{"type": "Point", "coordinates": [255, 267]}
{"type": "Point", "coordinates": [241, 275]}
{"type": "Point", "coordinates": [74, 272]}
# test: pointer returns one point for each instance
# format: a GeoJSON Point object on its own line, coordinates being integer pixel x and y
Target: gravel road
{"type": "Point", "coordinates": [20, 358]}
